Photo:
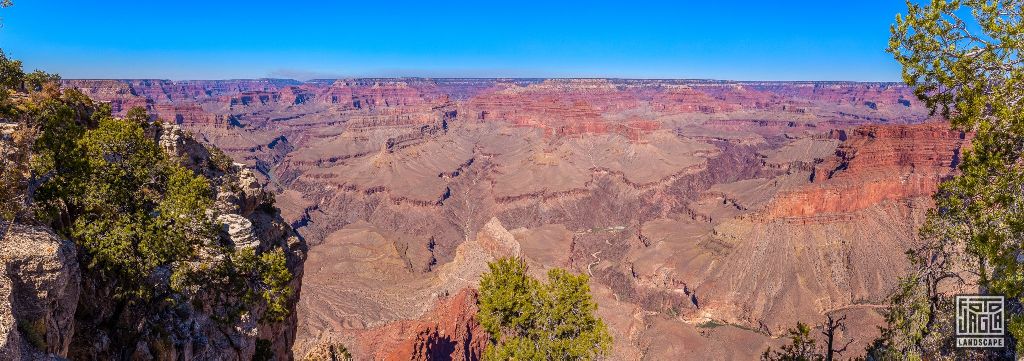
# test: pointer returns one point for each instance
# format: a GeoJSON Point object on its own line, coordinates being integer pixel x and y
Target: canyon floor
{"type": "Point", "coordinates": [710, 215]}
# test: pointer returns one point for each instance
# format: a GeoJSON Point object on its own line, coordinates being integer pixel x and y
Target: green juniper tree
{"type": "Point", "coordinates": [801, 347]}
{"type": "Point", "coordinates": [963, 58]}
{"type": "Point", "coordinates": [530, 320]}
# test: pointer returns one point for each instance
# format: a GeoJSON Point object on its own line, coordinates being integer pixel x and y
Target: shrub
{"type": "Point", "coordinates": [530, 320]}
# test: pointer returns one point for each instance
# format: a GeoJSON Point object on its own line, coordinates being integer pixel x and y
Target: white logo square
{"type": "Point", "coordinates": [980, 321]}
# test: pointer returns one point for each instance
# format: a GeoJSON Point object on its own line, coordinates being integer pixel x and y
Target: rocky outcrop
{"type": "Point", "coordinates": [239, 230]}
{"type": "Point", "coordinates": [53, 305]}
{"type": "Point", "coordinates": [448, 332]}
{"type": "Point", "coordinates": [39, 291]}
{"type": "Point", "coordinates": [861, 174]}
{"type": "Point", "coordinates": [472, 256]}
{"type": "Point", "coordinates": [497, 241]}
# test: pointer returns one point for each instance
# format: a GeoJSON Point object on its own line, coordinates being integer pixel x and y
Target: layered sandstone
{"type": "Point", "coordinates": [876, 164]}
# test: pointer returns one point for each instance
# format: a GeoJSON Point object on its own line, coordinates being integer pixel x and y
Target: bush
{"type": "Point", "coordinates": [529, 320]}
{"type": "Point", "coordinates": [271, 278]}
{"type": "Point", "coordinates": [220, 161]}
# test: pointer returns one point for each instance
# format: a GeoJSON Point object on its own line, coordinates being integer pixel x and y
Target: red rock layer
{"type": "Point", "coordinates": [188, 114]}
{"type": "Point", "coordinates": [449, 332]}
{"type": "Point", "coordinates": [861, 174]}
{"type": "Point", "coordinates": [563, 108]}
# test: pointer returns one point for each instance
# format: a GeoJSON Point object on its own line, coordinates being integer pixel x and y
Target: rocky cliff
{"type": "Point", "coordinates": [55, 306]}
{"type": "Point", "coordinates": [448, 332]}
{"type": "Point", "coordinates": [861, 173]}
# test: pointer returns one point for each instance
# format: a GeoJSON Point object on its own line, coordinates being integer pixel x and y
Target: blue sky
{"type": "Point", "coordinates": [213, 39]}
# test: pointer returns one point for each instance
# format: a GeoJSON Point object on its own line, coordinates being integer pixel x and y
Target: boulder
{"type": "Point", "coordinates": [39, 290]}
{"type": "Point", "coordinates": [238, 230]}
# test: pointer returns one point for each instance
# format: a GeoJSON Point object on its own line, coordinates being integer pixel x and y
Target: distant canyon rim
{"type": "Point", "coordinates": [711, 215]}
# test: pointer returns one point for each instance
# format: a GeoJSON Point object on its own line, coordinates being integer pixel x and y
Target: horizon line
{"type": "Point", "coordinates": [709, 80]}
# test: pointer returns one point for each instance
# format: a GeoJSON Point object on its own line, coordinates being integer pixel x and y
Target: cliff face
{"type": "Point", "coordinates": [861, 174]}
{"type": "Point", "coordinates": [448, 332]}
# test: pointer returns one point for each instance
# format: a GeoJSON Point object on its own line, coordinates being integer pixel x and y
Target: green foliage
{"type": "Point", "coordinates": [137, 115]}
{"type": "Point", "coordinates": [11, 74]}
{"type": "Point", "coordinates": [143, 221]}
{"type": "Point", "coordinates": [528, 320]}
{"type": "Point", "coordinates": [274, 276]}
{"type": "Point", "coordinates": [117, 227]}
{"type": "Point", "coordinates": [120, 245]}
{"type": "Point", "coordinates": [121, 159]}
{"type": "Point", "coordinates": [964, 59]}
{"type": "Point", "coordinates": [271, 275]}
{"type": "Point", "coordinates": [188, 194]}
{"type": "Point", "coordinates": [801, 347]}
{"type": "Point", "coordinates": [41, 146]}
{"type": "Point", "coordinates": [220, 161]}
{"type": "Point", "coordinates": [56, 149]}
{"type": "Point", "coordinates": [507, 297]}
{"type": "Point", "coordinates": [38, 79]}
{"type": "Point", "coordinates": [183, 209]}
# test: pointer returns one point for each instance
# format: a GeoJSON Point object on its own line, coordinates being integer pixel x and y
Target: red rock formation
{"type": "Point", "coordinates": [687, 100]}
{"type": "Point", "coordinates": [449, 332]}
{"type": "Point", "coordinates": [293, 95]}
{"type": "Point", "coordinates": [190, 114]}
{"type": "Point", "coordinates": [252, 98]}
{"type": "Point", "coordinates": [563, 108]}
{"type": "Point", "coordinates": [876, 163]}
{"type": "Point", "coordinates": [359, 94]}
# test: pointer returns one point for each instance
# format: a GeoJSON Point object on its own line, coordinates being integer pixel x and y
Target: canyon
{"type": "Point", "coordinates": [710, 215]}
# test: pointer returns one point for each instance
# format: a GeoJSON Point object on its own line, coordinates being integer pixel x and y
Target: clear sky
{"type": "Point", "coordinates": [216, 39]}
